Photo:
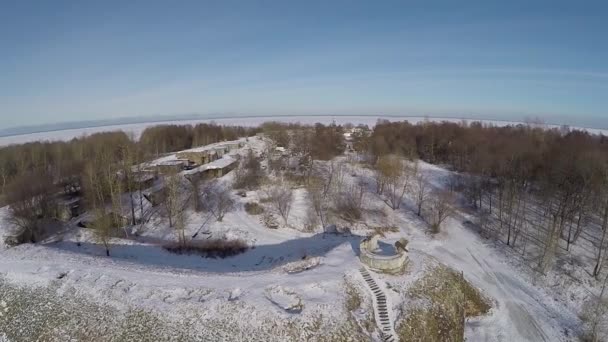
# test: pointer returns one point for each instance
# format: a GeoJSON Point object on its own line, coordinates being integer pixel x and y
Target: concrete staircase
{"type": "Point", "coordinates": [380, 302]}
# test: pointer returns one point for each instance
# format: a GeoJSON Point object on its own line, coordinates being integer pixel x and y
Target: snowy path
{"type": "Point", "coordinates": [380, 301]}
{"type": "Point", "coordinates": [522, 312]}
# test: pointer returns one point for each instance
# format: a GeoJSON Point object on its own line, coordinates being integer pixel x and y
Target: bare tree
{"type": "Point", "coordinates": [249, 174]}
{"type": "Point", "coordinates": [217, 199]}
{"type": "Point", "coordinates": [349, 201]}
{"type": "Point", "coordinates": [175, 200]}
{"type": "Point", "coordinates": [172, 202]}
{"type": "Point", "coordinates": [602, 243]}
{"type": "Point", "coordinates": [281, 197]}
{"type": "Point", "coordinates": [318, 198]}
{"type": "Point", "coordinates": [483, 218]}
{"type": "Point", "coordinates": [440, 208]}
{"type": "Point", "coordinates": [4, 175]}
{"type": "Point", "coordinates": [421, 191]}
{"type": "Point", "coordinates": [103, 227]}
{"type": "Point", "coordinates": [96, 194]}
{"type": "Point", "coordinates": [560, 206]}
{"type": "Point", "coordinates": [195, 188]}
{"type": "Point", "coordinates": [595, 312]}
{"type": "Point", "coordinates": [129, 183]}
{"type": "Point", "coordinates": [393, 177]}
{"type": "Point", "coordinates": [30, 199]}
{"type": "Point", "coordinates": [303, 146]}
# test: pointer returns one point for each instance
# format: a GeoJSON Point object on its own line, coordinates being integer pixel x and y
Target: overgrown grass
{"type": "Point", "coordinates": [438, 306]}
{"type": "Point", "coordinates": [215, 248]}
{"type": "Point", "coordinates": [42, 314]}
{"type": "Point", "coordinates": [382, 230]}
{"type": "Point", "coordinates": [354, 302]}
{"type": "Point", "coordinates": [346, 210]}
{"type": "Point", "coordinates": [353, 298]}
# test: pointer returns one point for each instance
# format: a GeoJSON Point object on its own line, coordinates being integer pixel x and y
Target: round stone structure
{"type": "Point", "coordinates": [392, 264]}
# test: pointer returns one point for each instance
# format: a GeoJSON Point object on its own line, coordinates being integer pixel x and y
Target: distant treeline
{"type": "Point", "coordinates": [535, 153]}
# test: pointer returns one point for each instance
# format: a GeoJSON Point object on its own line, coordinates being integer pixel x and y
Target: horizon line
{"type": "Point", "coordinates": [4, 133]}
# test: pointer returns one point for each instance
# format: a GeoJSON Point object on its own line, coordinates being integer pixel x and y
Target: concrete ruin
{"type": "Point", "coordinates": [209, 153]}
{"type": "Point", "coordinates": [371, 255]}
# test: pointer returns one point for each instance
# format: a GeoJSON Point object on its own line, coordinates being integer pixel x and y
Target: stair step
{"type": "Point", "coordinates": [384, 322]}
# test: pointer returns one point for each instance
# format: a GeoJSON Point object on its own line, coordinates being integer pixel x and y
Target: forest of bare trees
{"type": "Point", "coordinates": [532, 188]}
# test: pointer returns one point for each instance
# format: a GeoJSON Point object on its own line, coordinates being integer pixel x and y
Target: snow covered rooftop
{"type": "Point", "coordinates": [216, 164]}
{"type": "Point", "coordinates": [173, 162]}
{"type": "Point", "coordinates": [214, 146]}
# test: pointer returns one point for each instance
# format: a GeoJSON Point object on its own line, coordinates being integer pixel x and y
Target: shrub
{"type": "Point", "coordinates": [349, 202]}
{"type": "Point", "coordinates": [254, 208]}
{"type": "Point", "coordinates": [216, 248]}
{"type": "Point", "coordinates": [347, 210]}
{"type": "Point", "coordinates": [353, 298]}
{"type": "Point", "coordinates": [294, 178]}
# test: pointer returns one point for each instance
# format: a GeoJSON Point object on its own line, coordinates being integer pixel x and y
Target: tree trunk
{"type": "Point", "coordinates": [522, 217]}
{"type": "Point", "coordinates": [3, 181]}
{"type": "Point", "coordinates": [579, 227]}
{"type": "Point", "coordinates": [132, 208]}
{"type": "Point", "coordinates": [600, 252]}
{"type": "Point", "coordinates": [489, 200]}
{"type": "Point", "coordinates": [550, 247]}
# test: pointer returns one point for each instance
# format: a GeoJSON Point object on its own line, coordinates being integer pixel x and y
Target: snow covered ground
{"type": "Point", "coordinates": [137, 129]}
{"type": "Point", "coordinates": [259, 285]}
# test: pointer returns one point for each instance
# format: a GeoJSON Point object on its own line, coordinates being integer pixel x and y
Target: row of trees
{"type": "Point", "coordinates": [161, 139]}
{"type": "Point", "coordinates": [396, 176]}
{"type": "Point", "coordinates": [528, 184]}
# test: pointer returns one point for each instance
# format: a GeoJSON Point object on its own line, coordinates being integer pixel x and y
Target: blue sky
{"type": "Point", "coordinates": [87, 60]}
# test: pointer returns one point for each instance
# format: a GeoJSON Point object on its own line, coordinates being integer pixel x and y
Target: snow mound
{"type": "Point", "coordinates": [285, 298]}
{"type": "Point", "coordinates": [302, 265]}
{"type": "Point", "coordinates": [235, 294]}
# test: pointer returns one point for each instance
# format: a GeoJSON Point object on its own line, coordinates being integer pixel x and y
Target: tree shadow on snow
{"type": "Point", "coordinates": [256, 258]}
